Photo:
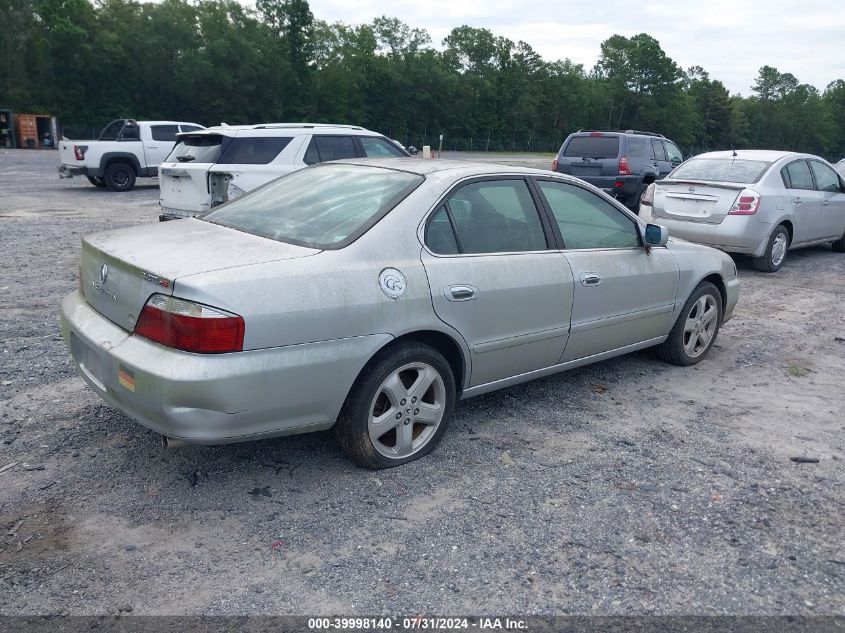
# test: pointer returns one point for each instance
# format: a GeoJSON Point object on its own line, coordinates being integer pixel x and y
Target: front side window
{"type": "Point", "coordinates": [673, 153]}
{"type": "Point", "coordinates": [378, 148]}
{"type": "Point", "coordinates": [253, 150]}
{"type": "Point", "coordinates": [798, 176]}
{"type": "Point", "coordinates": [325, 207]}
{"type": "Point", "coordinates": [496, 216]}
{"type": "Point", "coordinates": [587, 221]}
{"type": "Point", "coordinates": [164, 132]}
{"type": "Point", "coordinates": [326, 148]}
{"type": "Point", "coordinates": [826, 178]}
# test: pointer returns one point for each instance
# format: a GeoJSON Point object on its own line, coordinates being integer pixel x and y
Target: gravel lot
{"type": "Point", "coordinates": [628, 487]}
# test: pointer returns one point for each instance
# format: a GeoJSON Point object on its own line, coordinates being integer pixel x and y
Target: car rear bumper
{"type": "Point", "coordinates": [735, 234]}
{"type": "Point", "coordinates": [617, 186]}
{"type": "Point", "coordinates": [214, 398]}
{"type": "Point", "coordinates": [69, 171]}
{"type": "Point", "coordinates": [168, 213]}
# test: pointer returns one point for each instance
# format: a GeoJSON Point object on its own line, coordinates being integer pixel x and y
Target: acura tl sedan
{"type": "Point", "coordinates": [756, 202]}
{"type": "Point", "coordinates": [370, 295]}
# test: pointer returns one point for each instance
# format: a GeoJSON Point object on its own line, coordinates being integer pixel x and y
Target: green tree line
{"type": "Point", "coordinates": [215, 61]}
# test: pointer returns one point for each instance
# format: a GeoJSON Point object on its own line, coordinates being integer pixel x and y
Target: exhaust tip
{"type": "Point", "coordinates": [172, 442]}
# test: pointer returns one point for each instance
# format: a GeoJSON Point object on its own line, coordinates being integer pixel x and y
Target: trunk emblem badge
{"type": "Point", "coordinates": [104, 273]}
{"type": "Point", "coordinates": [692, 189]}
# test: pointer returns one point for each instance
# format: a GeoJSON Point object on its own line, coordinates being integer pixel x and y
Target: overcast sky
{"type": "Point", "coordinates": [731, 39]}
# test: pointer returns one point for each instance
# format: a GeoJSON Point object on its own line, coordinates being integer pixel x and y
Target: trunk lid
{"type": "Point", "coordinates": [694, 200]}
{"type": "Point", "coordinates": [183, 176]}
{"type": "Point", "coordinates": [121, 269]}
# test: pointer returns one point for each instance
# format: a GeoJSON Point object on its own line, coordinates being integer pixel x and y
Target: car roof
{"type": "Point", "coordinates": [456, 168]}
{"type": "Point", "coordinates": [288, 129]}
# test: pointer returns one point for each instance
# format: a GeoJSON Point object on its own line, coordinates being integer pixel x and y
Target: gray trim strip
{"type": "Point", "coordinates": [554, 369]}
{"type": "Point", "coordinates": [620, 318]}
{"type": "Point", "coordinates": [521, 339]}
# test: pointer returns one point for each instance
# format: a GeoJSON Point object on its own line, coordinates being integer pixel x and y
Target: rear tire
{"type": "Point", "coordinates": [839, 245]}
{"type": "Point", "coordinates": [119, 176]}
{"type": "Point", "coordinates": [696, 329]}
{"type": "Point", "coordinates": [96, 181]}
{"type": "Point", "coordinates": [776, 250]}
{"type": "Point", "coordinates": [399, 407]}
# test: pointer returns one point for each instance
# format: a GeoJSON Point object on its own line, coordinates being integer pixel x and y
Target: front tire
{"type": "Point", "coordinates": [398, 408]}
{"type": "Point", "coordinates": [775, 254]}
{"type": "Point", "coordinates": [839, 245]}
{"type": "Point", "coordinates": [119, 177]}
{"type": "Point", "coordinates": [696, 328]}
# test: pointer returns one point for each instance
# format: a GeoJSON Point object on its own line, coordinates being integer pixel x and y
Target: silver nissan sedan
{"type": "Point", "coordinates": [370, 295]}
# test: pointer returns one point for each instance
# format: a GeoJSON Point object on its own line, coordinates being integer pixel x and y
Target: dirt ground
{"type": "Point", "coordinates": [627, 487]}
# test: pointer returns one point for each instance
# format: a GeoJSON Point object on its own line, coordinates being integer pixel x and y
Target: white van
{"type": "Point", "coordinates": [215, 165]}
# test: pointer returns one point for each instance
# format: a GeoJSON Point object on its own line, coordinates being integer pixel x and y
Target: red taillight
{"type": "Point", "coordinates": [648, 196]}
{"type": "Point", "coordinates": [624, 166]}
{"type": "Point", "coordinates": [746, 203]}
{"type": "Point", "coordinates": [554, 164]}
{"type": "Point", "coordinates": [190, 326]}
{"type": "Point", "coordinates": [596, 134]}
{"type": "Point", "coordinates": [79, 151]}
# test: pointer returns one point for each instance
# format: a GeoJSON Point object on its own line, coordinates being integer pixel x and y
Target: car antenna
{"type": "Point", "coordinates": [734, 151]}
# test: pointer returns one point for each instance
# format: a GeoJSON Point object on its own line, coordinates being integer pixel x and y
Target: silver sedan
{"type": "Point", "coordinates": [757, 202]}
{"type": "Point", "coordinates": [371, 295]}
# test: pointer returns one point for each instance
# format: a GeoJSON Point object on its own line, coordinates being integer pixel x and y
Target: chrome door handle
{"type": "Point", "coordinates": [590, 279]}
{"type": "Point", "coordinates": [796, 201]}
{"type": "Point", "coordinates": [825, 202]}
{"type": "Point", "coordinates": [460, 293]}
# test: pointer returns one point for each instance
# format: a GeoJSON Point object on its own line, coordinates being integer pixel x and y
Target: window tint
{"type": "Point", "coordinates": [636, 146]}
{"type": "Point", "coordinates": [592, 147]}
{"type": "Point", "coordinates": [325, 207]}
{"type": "Point", "coordinates": [203, 148]}
{"type": "Point", "coordinates": [190, 128]}
{"type": "Point", "coordinates": [798, 175]}
{"type": "Point", "coordinates": [378, 148]}
{"type": "Point", "coordinates": [721, 170]}
{"type": "Point", "coordinates": [439, 236]}
{"type": "Point", "coordinates": [826, 178]}
{"type": "Point", "coordinates": [164, 132]}
{"type": "Point", "coordinates": [586, 220]}
{"type": "Point", "coordinates": [672, 152]}
{"type": "Point", "coordinates": [657, 150]}
{"type": "Point", "coordinates": [496, 216]}
{"type": "Point", "coordinates": [253, 150]}
{"type": "Point", "coordinates": [324, 148]}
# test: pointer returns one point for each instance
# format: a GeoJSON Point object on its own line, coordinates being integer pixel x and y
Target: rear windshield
{"type": "Point", "coordinates": [592, 147]}
{"type": "Point", "coordinates": [721, 170]}
{"type": "Point", "coordinates": [202, 148]}
{"type": "Point", "coordinates": [328, 206]}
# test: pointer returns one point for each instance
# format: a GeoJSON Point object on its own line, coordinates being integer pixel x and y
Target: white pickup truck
{"type": "Point", "coordinates": [126, 150]}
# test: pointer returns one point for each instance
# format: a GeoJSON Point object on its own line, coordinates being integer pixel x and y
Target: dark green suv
{"type": "Point", "coordinates": [622, 163]}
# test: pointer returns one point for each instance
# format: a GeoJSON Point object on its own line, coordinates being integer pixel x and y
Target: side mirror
{"type": "Point", "coordinates": [676, 161]}
{"type": "Point", "coordinates": [412, 150]}
{"type": "Point", "coordinates": [656, 235]}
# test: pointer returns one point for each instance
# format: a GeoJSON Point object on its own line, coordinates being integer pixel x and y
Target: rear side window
{"type": "Point", "coordinates": [190, 128]}
{"type": "Point", "coordinates": [722, 170]}
{"type": "Point", "coordinates": [164, 132]}
{"type": "Point", "coordinates": [378, 148]}
{"type": "Point", "coordinates": [592, 147]}
{"type": "Point", "coordinates": [797, 176]}
{"type": "Point", "coordinates": [325, 148]}
{"type": "Point", "coordinates": [826, 178]}
{"type": "Point", "coordinates": [587, 221]}
{"type": "Point", "coordinates": [204, 148]}
{"type": "Point", "coordinates": [496, 216]}
{"type": "Point", "coordinates": [636, 146]}
{"type": "Point", "coordinates": [439, 235]}
{"type": "Point", "coordinates": [253, 150]}
{"type": "Point", "coordinates": [657, 150]}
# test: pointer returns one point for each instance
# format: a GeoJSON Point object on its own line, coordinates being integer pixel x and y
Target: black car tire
{"type": "Point", "coordinates": [119, 176]}
{"type": "Point", "coordinates": [765, 263]}
{"type": "Point", "coordinates": [96, 181]}
{"type": "Point", "coordinates": [673, 349]}
{"type": "Point", "coordinates": [839, 245]}
{"type": "Point", "coordinates": [353, 425]}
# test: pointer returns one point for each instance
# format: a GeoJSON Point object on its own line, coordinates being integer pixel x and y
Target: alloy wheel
{"type": "Point", "coordinates": [700, 326]}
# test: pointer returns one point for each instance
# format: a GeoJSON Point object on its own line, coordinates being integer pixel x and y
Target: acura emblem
{"type": "Point", "coordinates": [691, 190]}
{"type": "Point", "coordinates": [104, 273]}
